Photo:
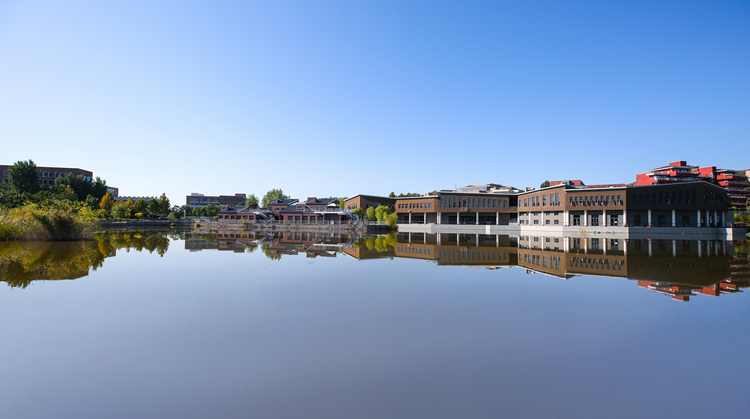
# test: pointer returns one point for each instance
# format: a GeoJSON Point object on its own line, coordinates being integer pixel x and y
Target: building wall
{"type": "Point", "coordinates": [47, 175]}
{"type": "Point", "coordinates": [367, 201]}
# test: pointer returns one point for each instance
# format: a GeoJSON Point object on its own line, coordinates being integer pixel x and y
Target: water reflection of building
{"type": "Point", "coordinates": [313, 244]}
{"type": "Point", "coordinates": [678, 268]}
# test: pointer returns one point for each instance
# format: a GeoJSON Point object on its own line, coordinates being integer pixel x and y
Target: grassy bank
{"type": "Point", "coordinates": [63, 221]}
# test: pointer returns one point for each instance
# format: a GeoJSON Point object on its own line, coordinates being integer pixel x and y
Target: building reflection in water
{"type": "Point", "coordinates": [677, 268]}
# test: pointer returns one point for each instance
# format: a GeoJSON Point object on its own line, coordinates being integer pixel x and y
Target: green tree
{"type": "Point", "coordinates": [381, 212]}
{"type": "Point", "coordinates": [392, 195]}
{"type": "Point", "coordinates": [107, 202]}
{"type": "Point", "coordinates": [273, 193]}
{"type": "Point", "coordinates": [251, 200]}
{"type": "Point", "coordinates": [84, 186]}
{"type": "Point", "coordinates": [342, 202]}
{"type": "Point", "coordinates": [211, 210]}
{"type": "Point", "coordinates": [121, 210]}
{"type": "Point", "coordinates": [23, 177]}
{"type": "Point", "coordinates": [92, 202]}
{"type": "Point", "coordinates": [392, 219]}
{"type": "Point", "coordinates": [544, 184]}
{"type": "Point", "coordinates": [371, 214]}
{"type": "Point", "coordinates": [163, 204]}
{"type": "Point", "coordinates": [153, 206]}
{"type": "Point", "coordinates": [358, 212]}
{"type": "Point", "coordinates": [64, 193]}
{"type": "Point", "coordinates": [139, 206]}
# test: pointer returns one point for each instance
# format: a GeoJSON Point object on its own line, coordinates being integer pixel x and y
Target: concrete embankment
{"type": "Point", "coordinates": [136, 224]}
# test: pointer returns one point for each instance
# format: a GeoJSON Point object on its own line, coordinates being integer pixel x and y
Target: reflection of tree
{"type": "Point", "coordinates": [269, 253]}
{"type": "Point", "coordinates": [23, 262]}
{"type": "Point", "coordinates": [380, 243]}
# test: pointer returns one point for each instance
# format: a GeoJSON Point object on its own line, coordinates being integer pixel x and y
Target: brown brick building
{"type": "Point", "coordinates": [47, 175]}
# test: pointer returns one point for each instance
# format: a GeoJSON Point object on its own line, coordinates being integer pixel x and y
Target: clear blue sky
{"type": "Point", "coordinates": [339, 98]}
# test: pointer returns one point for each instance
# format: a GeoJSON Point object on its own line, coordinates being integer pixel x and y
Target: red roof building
{"type": "Point", "coordinates": [735, 182]}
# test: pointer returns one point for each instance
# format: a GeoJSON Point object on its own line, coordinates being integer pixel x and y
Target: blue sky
{"type": "Point", "coordinates": [339, 98]}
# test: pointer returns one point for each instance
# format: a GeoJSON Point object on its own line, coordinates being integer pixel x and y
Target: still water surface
{"type": "Point", "coordinates": [155, 325]}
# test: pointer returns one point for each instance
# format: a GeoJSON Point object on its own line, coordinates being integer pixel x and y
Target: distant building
{"type": "Point", "coordinates": [735, 182]}
{"type": "Point", "coordinates": [197, 200]}
{"type": "Point", "coordinates": [47, 175]}
{"type": "Point", "coordinates": [291, 211]}
{"type": "Point", "coordinates": [579, 183]}
{"type": "Point", "coordinates": [488, 188]}
{"type": "Point", "coordinates": [114, 191]}
{"type": "Point", "coordinates": [367, 201]}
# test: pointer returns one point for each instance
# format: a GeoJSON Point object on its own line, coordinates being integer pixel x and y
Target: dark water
{"type": "Point", "coordinates": [155, 325]}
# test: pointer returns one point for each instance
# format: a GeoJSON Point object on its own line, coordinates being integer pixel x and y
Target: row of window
{"type": "Point", "coordinates": [415, 250]}
{"type": "Point", "coordinates": [452, 256]}
{"type": "Point", "coordinates": [554, 200]}
{"type": "Point", "coordinates": [415, 205]}
{"type": "Point", "coordinates": [595, 200]}
{"type": "Point", "coordinates": [677, 197]}
{"type": "Point", "coordinates": [237, 217]}
{"type": "Point", "coordinates": [471, 202]}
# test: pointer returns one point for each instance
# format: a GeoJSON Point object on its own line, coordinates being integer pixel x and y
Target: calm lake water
{"type": "Point", "coordinates": [161, 325]}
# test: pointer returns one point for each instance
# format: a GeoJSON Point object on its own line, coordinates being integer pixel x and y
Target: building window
{"type": "Point", "coordinates": [594, 220]}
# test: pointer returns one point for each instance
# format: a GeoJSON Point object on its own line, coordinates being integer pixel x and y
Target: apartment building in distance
{"type": "Point", "coordinates": [734, 182]}
{"type": "Point", "coordinates": [47, 175]}
{"type": "Point", "coordinates": [197, 200]}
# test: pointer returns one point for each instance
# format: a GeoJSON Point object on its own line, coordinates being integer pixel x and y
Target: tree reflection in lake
{"type": "Point", "coordinates": [23, 262]}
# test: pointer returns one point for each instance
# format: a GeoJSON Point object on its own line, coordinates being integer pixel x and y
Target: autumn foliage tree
{"type": "Point", "coordinates": [107, 202]}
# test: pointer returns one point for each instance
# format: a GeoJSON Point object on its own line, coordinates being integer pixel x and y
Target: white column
{"type": "Point", "coordinates": [625, 247]}
{"type": "Point", "coordinates": [566, 216]}
{"type": "Point", "coordinates": [566, 244]}
{"type": "Point", "coordinates": [529, 223]}
{"type": "Point", "coordinates": [624, 217]}
{"type": "Point", "coordinates": [605, 245]}
{"type": "Point", "coordinates": [477, 218]}
{"type": "Point", "coordinates": [585, 217]}
{"type": "Point", "coordinates": [409, 217]}
{"type": "Point", "coordinates": [409, 238]}
{"type": "Point", "coordinates": [440, 218]}
{"type": "Point", "coordinates": [674, 218]}
{"type": "Point", "coordinates": [604, 220]}
{"type": "Point", "coordinates": [674, 248]}
{"type": "Point", "coordinates": [699, 248]}
{"type": "Point", "coordinates": [650, 249]}
{"type": "Point", "coordinates": [477, 240]}
{"type": "Point", "coordinates": [542, 213]}
{"type": "Point", "coordinates": [698, 221]}
{"type": "Point", "coordinates": [497, 218]}
{"type": "Point", "coordinates": [424, 235]}
{"type": "Point", "coordinates": [458, 218]}
{"type": "Point", "coordinates": [497, 240]}
{"type": "Point", "coordinates": [438, 239]}
{"type": "Point", "coordinates": [649, 218]}
{"type": "Point", "coordinates": [425, 218]}
{"type": "Point", "coordinates": [585, 245]}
